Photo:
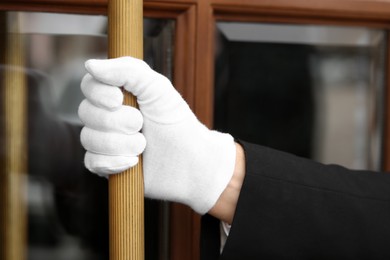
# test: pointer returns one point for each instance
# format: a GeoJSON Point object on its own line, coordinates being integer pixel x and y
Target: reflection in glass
{"type": "Point", "coordinates": [315, 91]}
{"type": "Point", "coordinates": [67, 206]}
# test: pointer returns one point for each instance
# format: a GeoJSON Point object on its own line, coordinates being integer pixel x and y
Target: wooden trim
{"type": "Point", "coordinates": [185, 223]}
{"type": "Point", "coordinates": [204, 77]}
{"type": "Point", "coordinates": [227, 14]}
{"type": "Point", "coordinates": [357, 9]}
{"type": "Point", "coordinates": [152, 9]}
{"type": "Point", "coordinates": [185, 233]}
{"type": "Point", "coordinates": [182, 13]}
{"type": "Point", "coordinates": [58, 6]}
{"type": "Point", "coordinates": [90, 3]}
{"type": "Point", "coordinates": [184, 64]}
{"type": "Point", "coordinates": [89, 6]}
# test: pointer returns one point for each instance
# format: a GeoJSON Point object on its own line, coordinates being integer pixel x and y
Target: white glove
{"type": "Point", "coordinates": [183, 160]}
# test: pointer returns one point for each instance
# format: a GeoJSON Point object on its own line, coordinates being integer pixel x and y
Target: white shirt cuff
{"type": "Point", "coordinates": [224, 229]}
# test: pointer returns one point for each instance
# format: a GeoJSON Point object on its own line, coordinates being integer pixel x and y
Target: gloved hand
{"type": "Point", "coordinates": [183, 160]}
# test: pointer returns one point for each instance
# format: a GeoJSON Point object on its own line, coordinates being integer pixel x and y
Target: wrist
{"type": "Point", "coordinates": [225, 206]}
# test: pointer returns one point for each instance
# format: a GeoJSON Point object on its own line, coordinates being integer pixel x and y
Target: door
{"type": "Point", "coordinates": [186, 43]}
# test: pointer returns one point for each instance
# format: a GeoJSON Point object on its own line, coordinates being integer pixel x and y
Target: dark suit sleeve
{"type": "Point", "coordinates": [293, 208]}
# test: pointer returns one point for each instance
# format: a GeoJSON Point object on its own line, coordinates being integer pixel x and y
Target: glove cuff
{"type": "Point", "coordinates": [216, 173]}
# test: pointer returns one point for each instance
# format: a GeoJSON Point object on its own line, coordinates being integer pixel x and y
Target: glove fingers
{"type": "Point", "coordinates": [100, 94]}
{"type": "Point", "coordinates": [157, 98]}
{"type": "Point", "coordinates": [126, 119]}
{"type": "Point", "coordinates": [104, 164]}
{"type": "Point", "coordinates": [112, 143]}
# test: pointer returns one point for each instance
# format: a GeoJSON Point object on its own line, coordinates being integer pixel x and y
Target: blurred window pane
{"type": "Point", "coordinates": [315, 91]}
{"type": "Point", "coordinates": [67, 206]}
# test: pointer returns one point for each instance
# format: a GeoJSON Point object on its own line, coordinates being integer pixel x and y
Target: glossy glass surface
{"type": "Point", "coordinates": [65, 205]}
{"type": "Point", "coordinates": [315, 91]}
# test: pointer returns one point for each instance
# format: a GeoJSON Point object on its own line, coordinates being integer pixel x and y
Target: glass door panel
{"type": "Point", "coordinates": [315, 91]}
{"type": "Point", "coordinates": [62, 210]}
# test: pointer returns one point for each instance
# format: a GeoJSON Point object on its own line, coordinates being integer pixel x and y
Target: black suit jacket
{"type": "Point", "coordinates": [294, 208]}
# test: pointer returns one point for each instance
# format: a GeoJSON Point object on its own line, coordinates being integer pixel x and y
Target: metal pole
{"type": "Point", "coordinates": [126, 190]}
